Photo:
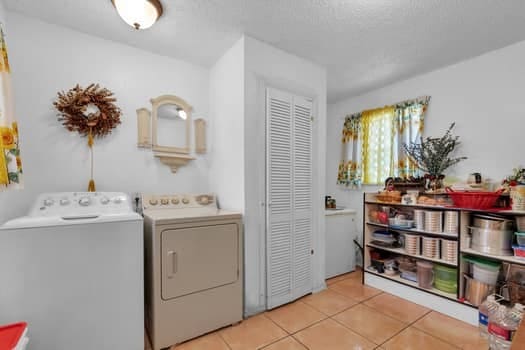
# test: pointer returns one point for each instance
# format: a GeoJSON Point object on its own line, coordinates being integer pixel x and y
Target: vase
{"type": "Point", "coordinates": [434, 183]}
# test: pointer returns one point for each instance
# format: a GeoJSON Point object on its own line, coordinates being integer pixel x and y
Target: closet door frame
{"type": "Point", "coordinates": [256, 203]}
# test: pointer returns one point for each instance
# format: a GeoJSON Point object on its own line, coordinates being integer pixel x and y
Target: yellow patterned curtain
{"type": "Point", "coordinates": [10, 162]}
{"type": "Point", "coordinates": [372, 143]}
{"type": "Point", "coordinates": [378, 144]}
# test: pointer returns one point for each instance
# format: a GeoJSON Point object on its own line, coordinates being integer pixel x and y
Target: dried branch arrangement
{"type": "Point", "coordinates": [432, 155]}
{"type": "Point", "coordinates": [89, 111]}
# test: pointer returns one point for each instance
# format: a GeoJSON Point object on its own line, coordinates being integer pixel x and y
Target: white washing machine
{"type": "Point", "coordinates": [193, 267]}
{"type": "Point", "coordinates": [73, 270]}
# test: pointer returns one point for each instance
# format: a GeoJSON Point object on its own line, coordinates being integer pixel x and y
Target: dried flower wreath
{"type": "Point", "coordinates": [91, 112]}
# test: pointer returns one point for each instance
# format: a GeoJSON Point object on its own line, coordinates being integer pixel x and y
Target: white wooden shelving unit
{"type": "Point", "coordinates": [452, 304]}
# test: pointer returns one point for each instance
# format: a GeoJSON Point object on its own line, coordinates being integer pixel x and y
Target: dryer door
{"type": "Point", "coordinates": [199, 258]}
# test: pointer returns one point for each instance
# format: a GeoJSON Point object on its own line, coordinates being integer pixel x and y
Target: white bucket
{"type": "Point", "coordinates": [485, 274]}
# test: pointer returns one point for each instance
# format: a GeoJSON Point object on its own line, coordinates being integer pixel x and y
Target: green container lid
{"type": "Point", "coordinates": [445, 269]}
{"type": "Point", "coordinates": [446, 286]}
{"type": "Point", "coordinates": [488, 264]}
{"type": "Point", "coordinates": [519, 233]}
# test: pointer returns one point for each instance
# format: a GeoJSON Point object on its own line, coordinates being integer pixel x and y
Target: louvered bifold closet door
{"type": "Point", "coordinates": [302, 196]}
{"type": "Point", "coordinates": [288, 197]}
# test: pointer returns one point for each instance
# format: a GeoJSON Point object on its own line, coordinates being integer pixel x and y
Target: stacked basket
{"type": "Point", "coordinates": [449, 250]}
{"type": "Point", "coordinates": [412, 244]}
{"type": "Point", "coordinates": [431, 247]}
{"type": "Point", "coordinates": [433, 221]}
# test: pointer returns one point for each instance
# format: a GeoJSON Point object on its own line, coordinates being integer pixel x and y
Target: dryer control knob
{"type": "Point", "coordinates": [84, 201]}
{"type": "Point", "coordinates": [175, 200]}
{"type": "Point", "coordinates": [104, 200]}
{"type": "Point", "coordinates": [204, 200]}
{"type": "Point", "coordinates": [64, 201]}
{"type": "Point", "coordinates": [164, 201]}
{"type": "Point", "coordinates": [49, 202]}
{"type": "Point", "coordinates": [153, 201]}
{"type": "Point", "coordinates": [185, 200]}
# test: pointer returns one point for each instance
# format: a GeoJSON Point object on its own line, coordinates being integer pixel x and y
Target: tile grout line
{"type": "Point", "coordinates": [224, 340]}
{"type": "Point", "coordinates": [366, 299]}
{"type": "Point", "coordinates": [299, 341]}
{"type": "Point", "coordinates": [435, 336]}
{"type": "Point", "coordinates": [412, 325]}
{"type": "Point", "coordinates": [356, 332]}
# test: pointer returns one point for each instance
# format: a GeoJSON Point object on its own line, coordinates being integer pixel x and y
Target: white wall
{"type": "Point", "coordinates": [226, 149]}
{"type": "Point", "coordinates": [483, 95]}
{"type": "Point", "coordinates": [268, 66]}
{"type": "Point", "coordinates": [46, 58]}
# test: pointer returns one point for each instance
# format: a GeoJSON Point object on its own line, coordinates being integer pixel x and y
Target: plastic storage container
{"type": "Point", "coordinates": [520, 223]}
{"type": "Point", "coordinates": [412, 244]}
{"type": "Point", "coordinates": [486, 274]}
{"type": "Point", "coordinates": [14, 336]}
{"type": "Point", "coordinates": [449, 250]}
{"type": "Point", "coordinates": [431, 247]}
{"type": "Point", "coordinates": [519, 251]}
{"type": "Point", "coordinates": [445, 278]}
{"type": "Point", "coordinates": [520, 238]}
{"type": "Point", "coordinates": [425, 274]}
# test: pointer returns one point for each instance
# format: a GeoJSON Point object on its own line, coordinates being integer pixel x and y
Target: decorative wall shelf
{"type": "Point", "coordinates": [173, 160]}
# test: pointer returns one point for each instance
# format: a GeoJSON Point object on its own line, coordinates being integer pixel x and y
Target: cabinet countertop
{"type": "Point", "coordinates": [339, 211]}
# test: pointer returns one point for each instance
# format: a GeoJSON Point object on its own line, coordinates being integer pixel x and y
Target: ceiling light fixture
{"type": "Point", "coordinates": [140, 14]}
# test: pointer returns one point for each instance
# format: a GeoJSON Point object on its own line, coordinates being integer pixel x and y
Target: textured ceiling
{"type": "Point", "coordinates": [365, 44]}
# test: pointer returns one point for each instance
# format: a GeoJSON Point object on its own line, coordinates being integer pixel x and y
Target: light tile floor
{"type": "Point", "coordinates": [346, 316]}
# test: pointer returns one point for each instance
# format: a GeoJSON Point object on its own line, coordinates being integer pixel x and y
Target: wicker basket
{"type": "Point", "coordinates": [389, 196]}
{"type": "Point", "coordinates": [473, 199]}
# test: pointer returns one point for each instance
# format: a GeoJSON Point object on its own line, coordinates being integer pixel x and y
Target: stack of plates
{"type": "Point", "coordinates": [419, 219]}
{"type": "Point", "coordinates": [449, 250]}
{"type": "Point", "coordinates": [431, 247]}
{"type": "Point", "coordinates": [451, 222]}
{"type": "Point", "coordinates": [433, 221]}
{"type": "Point", "coordinates": [412, 243]}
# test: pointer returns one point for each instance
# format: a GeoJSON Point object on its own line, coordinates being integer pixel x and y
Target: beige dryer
{"type": "Point", "coordinates": [193, 267]}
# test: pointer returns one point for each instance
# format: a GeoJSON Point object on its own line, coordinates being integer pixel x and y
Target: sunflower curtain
{"type": "Point", "coordinates": [350, 166]}
{"type": "Point", "coordinates": [372, 143]}
{"type": "Point", "coordinates": [10, 162]}
{"type": "Point", "coordinates": [409, 119]}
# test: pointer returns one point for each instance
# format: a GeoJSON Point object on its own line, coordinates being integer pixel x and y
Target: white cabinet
{"type": "Point", "coordinates": [341, 231]}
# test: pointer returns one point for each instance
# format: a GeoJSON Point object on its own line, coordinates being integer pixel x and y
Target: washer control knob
{"type": "Point", "coordinates": [84, 201]}
{"type": "Point", "coordinates": [204, 200]}
{"type": "Point", "coordinates": [164, 201]}
{"type": "Point", "coordinates": [153, 201]}
{"type": "Point", "coordinates": [49, 202]}
{"type": "Point", "coordinates": [185, 200]}
{"type": "Point", "coordinates": [117, 200]}
{"type": "Point", "coordinates": [104, 200]}
{"type": "Point", "coordinates": [175, 200]}
{"type": "Point", "coordinates": [64, 201]}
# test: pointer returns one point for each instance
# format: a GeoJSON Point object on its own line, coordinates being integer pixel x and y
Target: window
{"type": "Point", "coordinates": [373, 143]}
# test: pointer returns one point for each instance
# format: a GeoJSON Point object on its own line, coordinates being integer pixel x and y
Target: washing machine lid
{"type": "Point", "coordinates": [73, 208]}
{"type": "Point", "coordinates": [166, 216]}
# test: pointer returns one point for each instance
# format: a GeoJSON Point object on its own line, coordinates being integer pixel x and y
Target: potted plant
{"type": "Point", "coordinates": [433, 156]}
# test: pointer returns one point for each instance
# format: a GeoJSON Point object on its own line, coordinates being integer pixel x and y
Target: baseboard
{"type": "Point", "coordinates": [448, 307]}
